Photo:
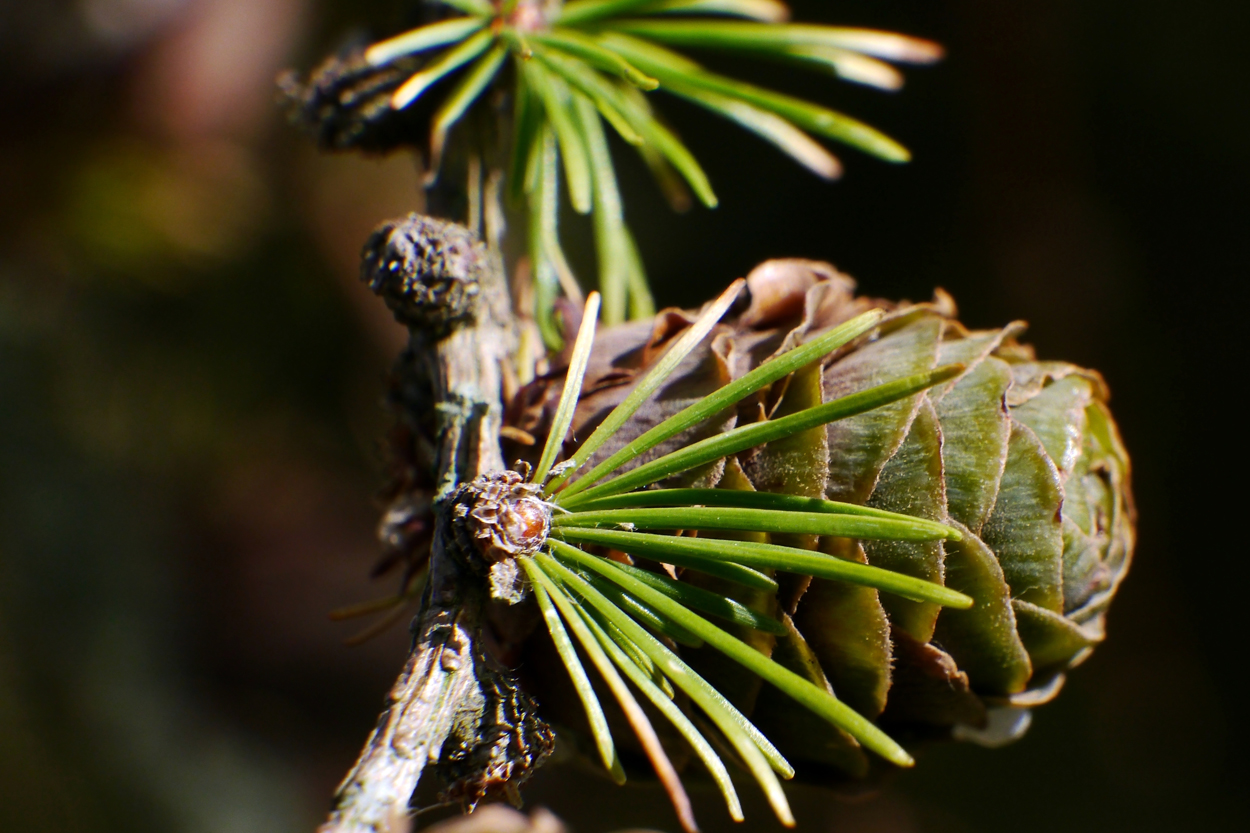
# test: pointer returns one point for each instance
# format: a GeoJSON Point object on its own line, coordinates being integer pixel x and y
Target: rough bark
{"type": "Point", "coordinates": [450, 291]}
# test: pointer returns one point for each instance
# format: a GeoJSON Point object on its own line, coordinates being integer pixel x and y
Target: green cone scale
{"type": "Point", "coordinates": [1021, 456]}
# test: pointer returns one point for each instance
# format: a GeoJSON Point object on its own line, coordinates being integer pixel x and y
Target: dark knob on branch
{"type": "Point", "coordinates": [427, 271]}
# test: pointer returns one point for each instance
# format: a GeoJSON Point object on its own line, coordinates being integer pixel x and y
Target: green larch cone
{"type": "Point", "coordinates": [1022, 456]}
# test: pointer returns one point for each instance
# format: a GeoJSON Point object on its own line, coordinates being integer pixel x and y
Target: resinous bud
{"type": "Point", "coordinates": [496, 519]}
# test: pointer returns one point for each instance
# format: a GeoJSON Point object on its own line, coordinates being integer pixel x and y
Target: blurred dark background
{"type": "Point", "coordinates": [190, 381]}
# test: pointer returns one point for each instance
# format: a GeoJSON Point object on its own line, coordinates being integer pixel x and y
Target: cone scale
{"type": "Point", "coordinates": [1020, 457]}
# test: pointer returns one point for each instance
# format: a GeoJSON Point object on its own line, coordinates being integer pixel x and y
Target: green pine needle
{"type": "Point", "coordinates": [769, 11]}
{"type": "Point", "coordinates": [769, 38]}
{"type": "Point", "coordinates": [607, 51]}
{"type": "Point", "coordinates": [572, 385]}
{"type": "Point", "coordinates": [689, 80]}
{"type": "Point", "coordinates": [446, 64]}
{"type": "Point", "coordinates": [748, 436]}
{"type": "Point", "coordinates": [864, 527]}
{"type": "Point", "coordinates": [581, 683]}
{"type": "Point", "coordinates": [637, 718]}
{"type": "Point", "coordinates": [820, 702]}
{"type": "Point", "coordinates": [546, 255]}
{"type": "Point", "coordinates": [590, 51]}
{"type": "Point", "coordinates": [789, 139]}
{"type": "Point", "coordinates": [706, 601]}
{"type": "Point", "coordinates": [710, 564]}
{"type": "Point", "coordinates": [641, 672]}
{"type": "Point", "coordinates": [682, 550]}
{"type": "Point", "coordinates": [612, 243]}
{"type": "Point", "coordinates": [420, 40]}
{"type": "Point", "coordinates": [641, 660]}
{"type": "Point", "coordinates": [652, 382]}
{"type": "Point", "coordinates": [732, 393]}
{"type": "Point", "coordinates": [586, 11]}
{"type": "Point", "coordinates": [760, 500]}
{"type": "Point", "coordinates": [661, 654]}
{"type": "Point", "coordinates": [761, 757]}
{"type": "Point", "coordinates": [609, 100]}
{"type": "Point", "coordinates": [645, 613]}
{"type": "Point", "coordinates": [460, 99]}
{"type": "Point", "coordinates": [557, 102]}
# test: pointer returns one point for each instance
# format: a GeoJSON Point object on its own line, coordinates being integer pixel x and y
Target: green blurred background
{"type": "Point", "coordinates": [190, 382]}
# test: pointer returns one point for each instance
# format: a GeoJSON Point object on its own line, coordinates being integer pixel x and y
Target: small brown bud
{"type": "Point", "coordinates": [497, 518]}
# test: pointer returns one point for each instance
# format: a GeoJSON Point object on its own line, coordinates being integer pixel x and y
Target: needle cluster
{"type": "Point", "coordinates": [567, 68]}
{"type": "Point", "coordinates": [556, 527]}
